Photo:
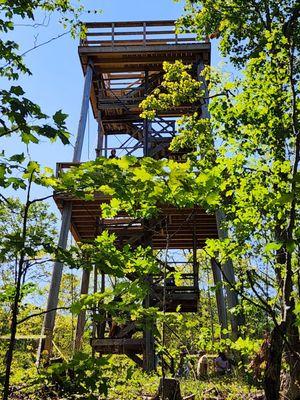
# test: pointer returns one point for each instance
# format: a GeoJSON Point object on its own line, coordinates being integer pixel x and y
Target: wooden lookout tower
{"type": "Point", "coordinates": [122, 63]}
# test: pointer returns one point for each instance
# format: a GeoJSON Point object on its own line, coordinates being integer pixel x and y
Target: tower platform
{"type": "Point", "coordinates": [127, 60]}
{"type": "Point", "coordinates": [87, 223]}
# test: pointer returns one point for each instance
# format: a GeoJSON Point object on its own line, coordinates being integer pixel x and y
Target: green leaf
{"type": "Point", "coordinates": [273, 246]}
{"type": "Point", "coordinates": [59, 118]}
{"type": "Point", "coordinates": [18, 158]}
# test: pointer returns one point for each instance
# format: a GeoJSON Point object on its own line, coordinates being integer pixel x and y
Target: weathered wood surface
{"type": "Point", "coordinates": [169, 389]}
{"type": "Point", "coordinates": [141, 33]}
{"type": "Point", "coordinates": [118, 346]}
{"type": "Point", "coordinates": [180, 228]}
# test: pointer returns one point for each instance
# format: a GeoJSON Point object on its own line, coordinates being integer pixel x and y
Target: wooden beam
{"type": "Point", "coordinates": [49, 320]}
{"type": "Point", "coordinates": [45, 343]}
{"type": "Point", "coordinates": [96, 50]}
{"type": "Point", "coordinates": [81, 317]}
{"type": "Point", "coordinates": [146, 42]}
{"type": "Point", "coordinates": [83, 113]}
{"type": "Point", "coordinates": [131, 33]}
{"type": "Point", "coordinates": [149, 350]}
{"type": "Point", "coordinates": [118, 346]}
{"type": "Point", "coordinates": [135, 358]}
{"type": "Point", "coordinates": [129, 24]}
{"type": "Point", "coordinates": [221, 305]}
{"type": "Point", "coordinates": [228, 271]}
{"type": "Point", "coordinates": [99, 149]}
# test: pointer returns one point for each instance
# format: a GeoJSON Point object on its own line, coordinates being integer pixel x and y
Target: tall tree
{"type": "Point", "coordinates": [22, 118]}
{"type": "Point", "coordinates": [264, 37]}
{"type": "Point", "coordinates": [27, 234]}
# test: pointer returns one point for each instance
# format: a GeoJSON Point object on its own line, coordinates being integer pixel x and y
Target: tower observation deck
{"type": "Point", "coordinates": [123, 63]}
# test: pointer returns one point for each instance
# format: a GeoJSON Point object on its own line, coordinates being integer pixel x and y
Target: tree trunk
{"type": "Point", "coordinates": [291, 385]}
{"type": "Point", "coordinates": [13, 332]}
{"type": "Point", "coordinates": [17, 298]}
{"type": "Point", "coordinates": [169, 389]}
{"type": "Point", "coordinates": [273, 366]}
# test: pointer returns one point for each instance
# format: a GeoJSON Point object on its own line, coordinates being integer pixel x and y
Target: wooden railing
{"type": "Point", "coordinates": [135, 33]}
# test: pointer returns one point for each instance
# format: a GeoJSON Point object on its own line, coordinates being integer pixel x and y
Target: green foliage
{"type": "Point", "coordinates": [40, 236]}
{"type": "Point", "coordinates": [17, 110]}
{"type": "Point", "coordinates": [20, 116]}
{"type": "Point", "coordinates": [128, 182]}
{"type": "Point", "coordinates": [124, 387]}
{"type": "Point", "coordinates": [177, 88]}
{"type": "Point", "coordinates": [113, 261]}
{"type": "Point", "coordinates": [80, 378]}
{"type": "Point", "coordinates": [240, 24]}
{"type": "Point", "coordinates": [25, 244]}
{"type": "Point", "coordinates": [130, 269]}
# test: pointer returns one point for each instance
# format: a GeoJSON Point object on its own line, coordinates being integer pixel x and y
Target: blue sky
{"type": "Point", "coordinates": [57, 80]}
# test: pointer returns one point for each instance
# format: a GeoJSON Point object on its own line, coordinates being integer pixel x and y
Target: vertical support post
{"type": "Point", "coordinates": [221, 305]}
{"type": "Point", "coordinates": [195, 261]}
{"type": "Point", "coordinates": [149, 351]}
{"type": "Point", "coordinates": [95, 290]}
{"type": "Point", "coordinates": [105, 146]}
{"type": "Point", "coordinates": [228, 270]}
{"type": "Point", "coordinates": [113, 34]}
{"type": "Point", "coordinates": [83, 113]}
{"type": "Point", "coordinates": [149, 348]}
{"type": "Point", "coordinates": [204, 109]}
{"type": "Point", "coordinates": [101, 328]}
{"type": "Point", "coordinates": [85, 274]}
{"type": "Point", "coordinates": [144, 33]}
{"type": "Point", "coordinates": [85, 280]}
{"type": "Point", "coordinates": [145, 122]}
{"type": "Point", "coordinates": [49, 320]}
{"type": "Point", "coordinates": [45, 343]}
{"type": "Point", "coordinates": [99, 149]}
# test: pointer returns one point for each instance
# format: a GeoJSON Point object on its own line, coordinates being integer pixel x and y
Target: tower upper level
{"type": "Point", "coordinates": [123, 63]}
{"type": "Point", "coordinates": [127, 59]}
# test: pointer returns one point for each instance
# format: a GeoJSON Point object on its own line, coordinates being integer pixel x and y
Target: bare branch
{"type": "Point", "coordinates": [38, 46]}
{"type": "Point", "coordinates": [41, 313]}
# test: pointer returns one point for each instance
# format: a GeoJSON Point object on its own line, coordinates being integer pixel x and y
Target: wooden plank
{"type": "Point", "coordinates": [96, 50]}
{"type": "Point", "coordinates": [131, 33]}
{"type": "Point", "coordinates": [118, 346]}
{"type": "Point", "coordinates": [126, 24]}
{"type": "Point", "coordinates": [124, 76]}
{"type": "Point", "coordinates": [167, 41]}
{"type": "Point", "coordinates": [81, 317]}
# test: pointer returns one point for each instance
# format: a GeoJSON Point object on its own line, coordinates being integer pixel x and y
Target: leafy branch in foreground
{"type": "Point", "coordinates": [27, 233]}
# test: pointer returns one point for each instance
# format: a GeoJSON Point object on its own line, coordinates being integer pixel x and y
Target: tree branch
{"type": "Point", "coordinates": [41, 313]}
{"type": "Point", "coordinates": [37, 46]}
